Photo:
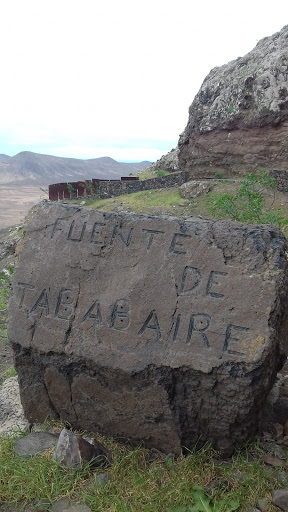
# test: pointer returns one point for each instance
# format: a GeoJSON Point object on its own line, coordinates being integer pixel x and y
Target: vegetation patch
{"type": "Point", "coordinates": [140, 480]}
{"type": "Point", "coordinates": [248, 204]}
{"type": "Point", "coordinates": [150, 173]}
{"type": "Point", "coordinates": [253, 199]}
{"type": "Point", "coordinates": [156, 201]}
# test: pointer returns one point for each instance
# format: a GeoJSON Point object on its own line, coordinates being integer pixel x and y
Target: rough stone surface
{"type": "Point", "coordinates": [280, 498]}
{"type": "Point", "coordinates": [73, 450]}
{"type": "Point", "coordinates": [164, 330]}
{"type": "Point", "coordinates": [67, 449]}
{"type": "Point", "coordinates": [262, 504]}
{"type": "Point", "coordinates": [238, 120]}
{"type": "Point", "coordinates": [11, 410]}
{"type": "Point", "coordinates": [168, 162]}
{"type": "Point", "coordinates": [65, 505]}
{"type": "Point", "coordinates": [36, 442]}
{"type": "Point", "coordinates": [281, 179]}
{"type": "Point", "coordinates": [101, 479]}
{"type": "Point", "coordinates": [282, 477]}
{"type": "Point", "coordinates": [193, 189]}
{"type": "Point", "coordinates": [276, 407]}
{"type": "Point", "coordinates": [273, 461]}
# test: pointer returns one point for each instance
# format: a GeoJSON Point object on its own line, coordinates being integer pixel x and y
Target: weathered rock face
{"type": "Point", "coordinates": [168, 162]}
{"type": "Point", "coordinates": [238, 121]}
{"type": "Point", "coordinates": [192, 189]}
{"type": "Point", "coordinates": [148, 328]}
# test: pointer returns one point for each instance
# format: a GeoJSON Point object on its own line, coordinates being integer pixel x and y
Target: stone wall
{"type": "Point", "coordinates": [281, 178]}
{"type": "Point", "coordinates": [117, 188]}
{"type": "Point", "coordinates": [112, 188]}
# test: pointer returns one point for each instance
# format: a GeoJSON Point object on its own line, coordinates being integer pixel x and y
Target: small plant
{"type": "Point", "coordinates": [218, 175]}
{"type": "Point", "coordinates": [247, 205]}
{"type": "Point", "coordinates": [230, 109]}
{"type": "Point", "coordinates": [159, 173]}
{"type": "Point", "coordinates": [10, 372]}
{"type": "Point", "coordinates": [71, 190]}
{"type": "Point", "coordinates": [203, 503]}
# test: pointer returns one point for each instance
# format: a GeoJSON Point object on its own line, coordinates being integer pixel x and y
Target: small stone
{"type": "Point", "coordinates": [74, 451]}
{"type": "Point", "coordinates": [95, 453]}
{"type": "Point", "coordinates": [279, 430]}
{"type": "Point", "coordinates": [282, 477]}
{"type": "Point", "coordinates": [42, 505]}
{"type": "Point", "coordinates": [36, 442]}
{"type": "Point", "coordinates": [65, 505]}
{"type": "Point", "coordinates": [67, 449]}
{"type": "Point", "coordinates": [222, 484]}
{"type": "Point", "coordinates": [262, 504]}
{"type": "Point", "coordinates": [101, 479]}
{"type": "Point", "coordinates": [239, 476]}
{"type": "Point", "coordinates": [273, 461]}
{"type": "Point", "coordinates": [270, 471]}
{"type": "Point", "coordinates": [274, 450]}
{"type": "Point", "coordinates": [152, 455]}
{"type": "Point", "coordinates": [280, 498]}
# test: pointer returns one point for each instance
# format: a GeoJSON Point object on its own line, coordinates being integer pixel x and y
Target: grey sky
{"type": "Point", "coordinates": [91, 78]}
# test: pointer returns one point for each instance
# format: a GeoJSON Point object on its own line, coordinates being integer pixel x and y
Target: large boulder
{"type": "Point", "coordinates": [153, 329]}
{"type": "Point", "coordinates": [238, 120]}
{"type": "Point", "coordinates": [193, 189]}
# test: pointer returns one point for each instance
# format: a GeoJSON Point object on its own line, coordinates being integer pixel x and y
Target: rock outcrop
{"type": "Point", "coordinates": [168, 162]}
{"type": "Point", "coordinates": [238, 121]}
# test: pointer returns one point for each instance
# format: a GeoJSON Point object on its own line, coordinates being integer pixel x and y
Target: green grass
{"type": "Point", "coordinates": [134, 484]}
{"type": "Point", "coordinates": [10, 372]}
{"type": "Point", "coordinates": [149, 173]}
{"type": "Point", "coordinates": [147, 201]}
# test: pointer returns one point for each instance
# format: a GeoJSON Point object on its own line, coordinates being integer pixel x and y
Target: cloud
{"type": "Point", "coordinates": [74, 73]}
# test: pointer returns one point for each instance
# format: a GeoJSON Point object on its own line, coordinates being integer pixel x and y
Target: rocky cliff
{"type": "Point", "coordinates": [238, 121]}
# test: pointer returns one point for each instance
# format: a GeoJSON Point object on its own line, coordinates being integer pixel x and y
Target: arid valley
{"type": "Point", "coordinates": [16, 200]}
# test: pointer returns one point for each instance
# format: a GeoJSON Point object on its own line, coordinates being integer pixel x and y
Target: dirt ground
{"type": "Point", "coordinates": [16, 201]}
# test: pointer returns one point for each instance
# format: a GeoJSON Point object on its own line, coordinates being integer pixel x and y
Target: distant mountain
{"type": "Point", "coordinates": [4, 158]}
{"type": "Point", "coordinates": [29, 168]}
